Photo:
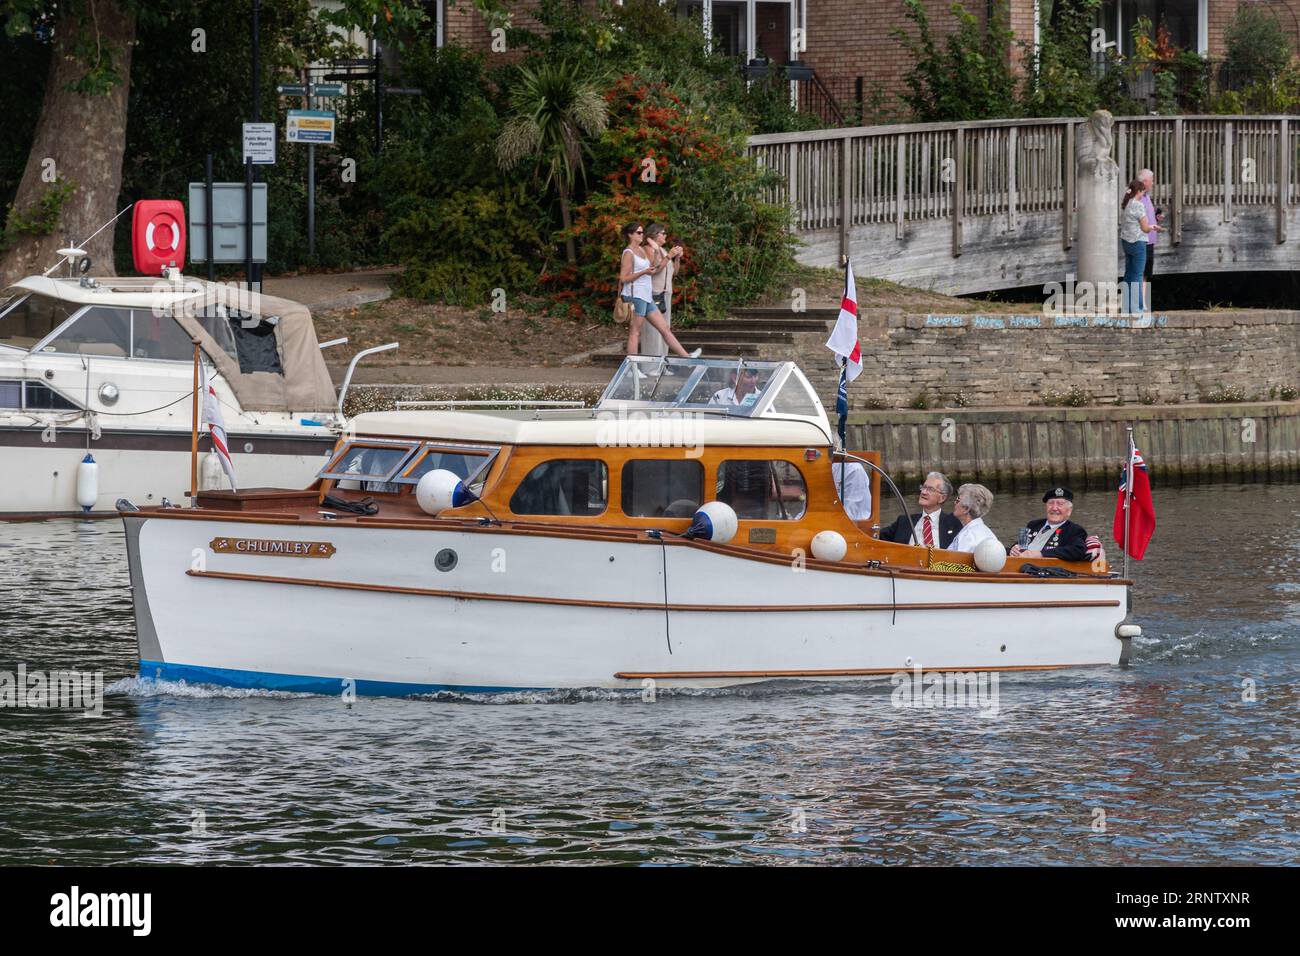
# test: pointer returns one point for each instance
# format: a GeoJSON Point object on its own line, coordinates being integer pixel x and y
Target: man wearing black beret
{"type": "Point", "coordinates": [1055, 536]}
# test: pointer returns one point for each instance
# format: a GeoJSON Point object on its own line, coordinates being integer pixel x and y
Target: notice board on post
{"type": "Point", "coordinates": [310, 126]}
{"type": "Point", "coordinates": [227, 222]}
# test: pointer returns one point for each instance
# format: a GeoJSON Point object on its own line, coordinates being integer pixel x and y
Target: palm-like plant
{"type": "Point", "coordinates": [554, 109]}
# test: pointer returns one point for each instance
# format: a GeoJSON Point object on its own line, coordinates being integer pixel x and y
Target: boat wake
{"type": "Point", "coordinates": [150, 687]}
{"type": "Point", "coordinates": [1207, 644]}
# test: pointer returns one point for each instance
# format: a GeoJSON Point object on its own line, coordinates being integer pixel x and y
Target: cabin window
{"type": "Point", "coordinates": [123, 333]}
{"type": "Point", "coordinates": [99, 331]}
{"type": "Point", "coordinates": [159, 337]}
{"type": "Point", "coordinates": [218, 326]}
{"type": "Point", "coordinates": [563, 487]}
{"type": "Point", "coordinates": [369, 463]}
{"type": "Point", "coordinates": [30, 318]}
{"type": "Point", "coordinates": [256, 344]}
{"type": "Point", "coordinates": [763, 490]}
{"type": "Point", "coordinates": [467, 462]}
{"type": "Point", "coordinates": [662, 489]}
{"type": "Point", "coordinates": [39, 396]}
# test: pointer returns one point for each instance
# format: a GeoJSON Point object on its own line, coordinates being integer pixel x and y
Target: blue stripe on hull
{"type": "Point", "coordinates": [299, 684]}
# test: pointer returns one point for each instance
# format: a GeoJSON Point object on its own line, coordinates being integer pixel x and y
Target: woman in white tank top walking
{"type": "Point", "coordinates": [635, 287]}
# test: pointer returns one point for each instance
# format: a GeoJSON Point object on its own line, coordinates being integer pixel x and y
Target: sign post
{"type": "Point", "coordinates": [310, 127]}
{"type": "Point", "coordinates": [259, 148]}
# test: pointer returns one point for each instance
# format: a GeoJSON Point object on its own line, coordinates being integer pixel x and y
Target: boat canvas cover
{"type": "Point", "coordinates": [305, 386]}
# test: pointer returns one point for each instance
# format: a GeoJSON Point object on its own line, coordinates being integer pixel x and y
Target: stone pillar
{"type": "Point", "coordinates": [1097, 200]}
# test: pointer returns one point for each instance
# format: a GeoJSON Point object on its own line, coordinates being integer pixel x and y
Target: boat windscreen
{"type": "Point", "coordinates": [31, 317]}
{"type": "Point", "coordinates": [737, 385]}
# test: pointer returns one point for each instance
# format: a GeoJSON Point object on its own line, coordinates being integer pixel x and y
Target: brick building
{"type": "Point", "coordinates": [850, 43]}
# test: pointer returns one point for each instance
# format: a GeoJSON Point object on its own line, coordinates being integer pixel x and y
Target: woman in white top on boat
{"type": "Point", "coordinates": [634, 279]}
{"type": "Point", "coordinates": [973, 503]}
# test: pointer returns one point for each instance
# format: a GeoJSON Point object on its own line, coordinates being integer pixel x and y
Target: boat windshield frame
{"type": "Point", "coordinates": [487, 452]}
{"type": "Point", "coordinates": [411, 447]}
{"type": "Point", "coordinates": [690, 372]}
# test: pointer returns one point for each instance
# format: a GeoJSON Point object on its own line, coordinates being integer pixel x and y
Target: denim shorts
{"type": "Point", "coordinates": [640, 306]}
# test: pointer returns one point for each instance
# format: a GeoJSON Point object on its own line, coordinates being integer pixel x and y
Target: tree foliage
{"type": "Point", "coordinates": [966, 77]}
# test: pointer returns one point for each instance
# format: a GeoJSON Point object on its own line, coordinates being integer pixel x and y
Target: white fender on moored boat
{"type": "Point", "coordinates": [210, 473]}
{"type": "Point", "coordinates": [829, 546]}
{"type": "Point", "coordinates": [87, 482]}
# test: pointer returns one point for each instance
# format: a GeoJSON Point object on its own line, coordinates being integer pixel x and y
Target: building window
{"type": "Point", "coordinates": [662, 489]}
{"type": "Point", "coordinates": [1184, 19]}
{"type": "Point", "coordinates": [765, 490]}
{"type": "Point", "coordinates": [577, 487]}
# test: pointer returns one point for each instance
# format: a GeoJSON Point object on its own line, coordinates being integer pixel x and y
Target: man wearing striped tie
{"type": "Point", "coordinates": [935, 528]}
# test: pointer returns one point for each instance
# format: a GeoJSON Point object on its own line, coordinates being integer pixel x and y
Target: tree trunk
{"type": "Point", "coordinates": [570, 251]}
{"type": "Point", "coordinates": [80, 140]}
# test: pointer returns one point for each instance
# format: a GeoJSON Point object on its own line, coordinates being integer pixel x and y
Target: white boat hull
{"type": "Point", "coordinates": [143, 466]}
{"type": "Point", "coordinates": [539, 611]}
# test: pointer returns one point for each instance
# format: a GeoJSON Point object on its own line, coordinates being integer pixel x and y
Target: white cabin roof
{"type": "Point", "coordinates": [598, 428]}
{"type": "Point", "coordinates": [134, 292]}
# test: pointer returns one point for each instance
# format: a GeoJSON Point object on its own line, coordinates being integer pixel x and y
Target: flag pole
{"type": "Point", "coordinates": [1128, 495]}
{"type": "Point", "coordinates": [841, 402]}
{"type": "Point", "coordinates": [194, 432]}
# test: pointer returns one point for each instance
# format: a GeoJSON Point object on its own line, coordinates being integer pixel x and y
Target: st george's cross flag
{"type": "Point", "coordinates": [844, 338]}
{"type": "Point", "coordinates": [844, 343]}
{"type": "Point", "coordinates": [211, 416]}
{"type": "Point", "coordinates": [1142, 510]}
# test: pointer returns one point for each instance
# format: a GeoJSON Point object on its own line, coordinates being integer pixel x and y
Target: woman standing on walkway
{"type": "Point", "coordinates": [666, 263]}
{"type": "Point", "coordinates": [1133, 229]}
{"type": "Point", "coordinates": [634, 274]}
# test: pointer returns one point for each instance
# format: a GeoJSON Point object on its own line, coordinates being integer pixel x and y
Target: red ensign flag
{"type": "Point", "coordinates": [1142, 510]}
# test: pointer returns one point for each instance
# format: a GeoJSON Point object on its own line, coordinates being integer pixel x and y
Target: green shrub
{"type": "Point", "coordinates": [460, 247]}
{"type": "Point", "coordinates": [970, 78]}
{"type": "Point", "coordinates": [1256, 47]}
{"type": "Point", "coordinates": [1061, 78]}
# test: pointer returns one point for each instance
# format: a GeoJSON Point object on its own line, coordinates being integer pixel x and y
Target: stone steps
{"type": "Point", "coordinates": [742, 333]}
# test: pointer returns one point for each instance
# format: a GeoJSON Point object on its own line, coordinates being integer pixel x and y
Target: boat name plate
{"type": "Point", "coordinates": [274, 549]}
{"type": "Point", "coordinates": [762, 536]}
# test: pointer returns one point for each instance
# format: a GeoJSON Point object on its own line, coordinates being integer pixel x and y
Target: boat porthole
{"type": "Point", "coordinates": [248, 447]}
{"type": "Point", "coordinates": [1004, 648]}
{"type": "Point", "coordinates": [611, 559]}
{"type": "Point", "coordinates": [445, 560]}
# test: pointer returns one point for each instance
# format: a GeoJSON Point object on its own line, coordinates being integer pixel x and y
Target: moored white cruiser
{"type": "Point", "coordinates": [561, 558]}
{"type": "Point", "coordinates": [96, 380]}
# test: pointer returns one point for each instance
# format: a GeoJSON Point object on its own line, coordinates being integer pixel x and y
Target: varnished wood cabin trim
{"type": "Point", "coordinates": [643, 605]}
{"type": "Point", "coordinates": [823, 512]}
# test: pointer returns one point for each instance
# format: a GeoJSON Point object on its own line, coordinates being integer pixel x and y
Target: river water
{"type": "Point", "coordinates": [1189, 755]}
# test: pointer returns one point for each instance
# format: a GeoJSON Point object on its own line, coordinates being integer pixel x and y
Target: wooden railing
{"type": "Point", "coordinates": [877, 175]}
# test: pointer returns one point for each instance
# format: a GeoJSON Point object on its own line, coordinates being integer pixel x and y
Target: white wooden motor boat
{"type": "Point", "coordinates": [656, 537]}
